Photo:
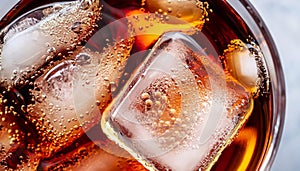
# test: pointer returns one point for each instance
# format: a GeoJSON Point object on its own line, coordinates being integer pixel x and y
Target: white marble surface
{"type": "Point", "coordinates": [283, 21]}
{"type": "Point", "coordinates": [5, 6]}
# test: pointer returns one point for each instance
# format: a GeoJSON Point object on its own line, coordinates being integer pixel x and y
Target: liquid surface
{"type": "Point", "coordinates": [166, 79]}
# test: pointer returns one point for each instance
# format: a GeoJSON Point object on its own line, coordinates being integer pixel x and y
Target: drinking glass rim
{"type": "Point", "coordinates": [277, 79]}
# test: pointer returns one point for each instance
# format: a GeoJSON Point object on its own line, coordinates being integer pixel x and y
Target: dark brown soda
{"type": "Point", "coordinates": [222, 24]}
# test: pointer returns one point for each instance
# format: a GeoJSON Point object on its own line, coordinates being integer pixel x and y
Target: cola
{"type": "Point", "coordinates": [70, 69]}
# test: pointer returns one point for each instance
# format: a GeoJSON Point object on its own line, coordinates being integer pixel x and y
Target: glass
{"type": "Point", "coordinates": [251, 16]}
{"type": "Point", "coordinates": [137, 85]}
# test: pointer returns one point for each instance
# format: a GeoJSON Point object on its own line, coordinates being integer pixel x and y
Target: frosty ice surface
{"type": "Point", "coordinates": [180, 110]}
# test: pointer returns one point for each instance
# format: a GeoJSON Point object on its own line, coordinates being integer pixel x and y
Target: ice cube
{"type": "Point", "coordinates": [180, 110]}
{"type": "Point", "coordinates": [148, 27]}
{"type": "Point", "coordinates": [194, 12]}
{"type": "Point", "coordinates": [245, 63]}
{"type": "Point", "coordinates": [164, 16]}
{"type": "Point", "coordinates": [32, 40]}
{"type": "Point", "coordinates": [70, 98]}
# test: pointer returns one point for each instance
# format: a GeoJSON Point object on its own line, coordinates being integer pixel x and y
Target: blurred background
{"type": "Point", "coordinates": [283, 21]}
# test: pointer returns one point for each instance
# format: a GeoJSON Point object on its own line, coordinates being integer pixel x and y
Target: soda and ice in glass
{"type": "Point", "coordinates": [129, 85]}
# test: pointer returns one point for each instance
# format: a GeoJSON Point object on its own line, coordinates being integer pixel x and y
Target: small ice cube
{"type": "Point", "coordinates": [65, 103]}
{"type": "Point", "coordinates": [191, 11]}
{"type": "Point", "coordinates": [180, 110]}
{"type": "Point", "coordinates": [70, 97]}
{"type": "Point", "coordinates": [245, 63]}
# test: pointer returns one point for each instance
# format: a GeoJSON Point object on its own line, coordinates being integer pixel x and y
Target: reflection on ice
{"type": "Point", "coordinates": [180, 110]}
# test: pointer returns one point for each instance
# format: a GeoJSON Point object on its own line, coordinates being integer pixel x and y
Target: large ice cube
{"type": "Point", "coordinates": [180, 110]}
{"type": "Point", "coordinates": [70, 97]}
{"type": "Point", "coordinates": [37, 36]}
